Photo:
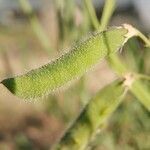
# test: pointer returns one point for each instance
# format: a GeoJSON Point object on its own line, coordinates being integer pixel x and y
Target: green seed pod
{"type": "Point", "coordinates": [93, 116]}
{"type": "Point", "coordinates": [70, 65]}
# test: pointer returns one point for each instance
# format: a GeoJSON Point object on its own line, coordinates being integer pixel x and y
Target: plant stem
{"type": "Point", "coordinates": [142, 93]}
{"type": "Point", "coordinates": [36, 26]}
{"type": "Point", "coordinates": [144, 38]}
{"type": "Point", "coordinates": [108, 10]}
{"type": "Point", "coordinates": [92, 14]}
{"type": "Point", "coordinates": [142, 76]}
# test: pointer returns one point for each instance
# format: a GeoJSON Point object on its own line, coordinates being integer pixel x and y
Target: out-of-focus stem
{"type": "Point", "coordinates": [142, 76]}
{"type": "Point", "coordinates": [107, 13]}
{"type": "Point", "coordinates": [144, 38]}
{"type": "Point", "coordinates": [36, 26]}
{"type": "Point", "coordinates": [92, 14]}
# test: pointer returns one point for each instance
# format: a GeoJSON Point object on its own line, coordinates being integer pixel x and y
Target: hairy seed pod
{"type": "Point", "coordinates": [93, 117]}
{"type": "Point", "coordinates": [70, 65]}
